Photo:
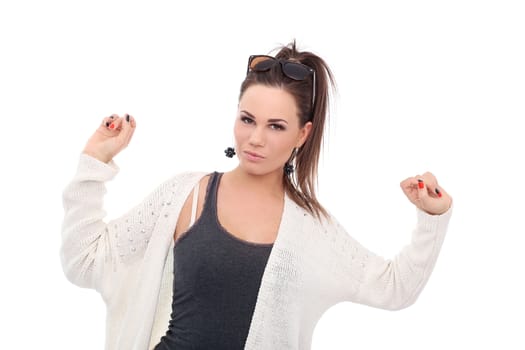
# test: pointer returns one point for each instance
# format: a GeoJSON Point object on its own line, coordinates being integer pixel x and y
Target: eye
{"type": "Point", "coordinates": [246, 120]}
{"type": "Point", "coordinates": [277, 127]}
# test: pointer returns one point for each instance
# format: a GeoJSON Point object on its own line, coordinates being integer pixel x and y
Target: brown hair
{"type": "Point", "coordinates": [300, 185]}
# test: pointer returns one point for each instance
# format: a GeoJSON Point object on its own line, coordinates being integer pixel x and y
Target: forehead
{"type": "Point", "coordinates": [269, 102]}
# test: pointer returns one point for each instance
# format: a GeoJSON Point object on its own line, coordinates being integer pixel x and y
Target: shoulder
{"type": "Point", "coordinates": [187, 177]}
{"type": "Point", "coordinates": [180, 182]}
{"type": "Point", "coordinates": [298, 214]}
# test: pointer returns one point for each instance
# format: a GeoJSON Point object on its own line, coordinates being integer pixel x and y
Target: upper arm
{"type": "Point", "coordinates": [92, 248]}
{"type": "Point", "coordinates": [392, 283]}
{"type": "Point", "coordinates": [183, 223]}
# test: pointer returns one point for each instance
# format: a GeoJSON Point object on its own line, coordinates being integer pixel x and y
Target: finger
{"type": "Point", "coordinates": [116, 124]}
{"type": "Point", "coordinates": [441, 192]}
{"type": "Point", "coordinates": [133, 126]}
{"type": "Point", "coordinates": [438, 192]}
{"type": "Point", "coordinates": [422, 193]}
{"type": "Point", "coordinates": [106, 121]}
{"type": "Point", "coordinates": [104, 127]}
{"type": "Point", "coordinates": [432, 184]}
{"type": "Point", "coordinates": [430, 179]}
{"type": "Point", "coordinates": [405, 183]}
{"type": "Point", "coordinates": [410, 184]}
{"type": "Point", "coordinates": [126, 130]}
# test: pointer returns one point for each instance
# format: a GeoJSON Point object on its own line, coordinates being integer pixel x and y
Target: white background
{"type": "Point", "coordinates": [436, 86]}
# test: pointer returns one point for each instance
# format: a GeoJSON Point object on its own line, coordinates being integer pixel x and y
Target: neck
{"type": "Point", "coordinates": [267, 184]}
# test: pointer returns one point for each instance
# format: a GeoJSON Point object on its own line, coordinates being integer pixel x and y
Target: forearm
{"type": "Point", "coordinates": [396, 283]}
{"type": "Point", "coordinates": [84, 233]}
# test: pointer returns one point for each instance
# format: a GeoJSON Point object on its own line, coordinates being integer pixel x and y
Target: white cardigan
{"type": "Point", "coordinates": [312, 266]}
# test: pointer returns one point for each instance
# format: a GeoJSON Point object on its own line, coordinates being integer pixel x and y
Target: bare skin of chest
{"type": "Point", "coordinates": [250, 219]}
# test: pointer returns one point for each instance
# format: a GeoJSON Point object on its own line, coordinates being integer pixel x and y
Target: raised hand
{"type": "Point", "coordinates": [112, 136]}
{"type": "Point", "coordinates": [425, 193]}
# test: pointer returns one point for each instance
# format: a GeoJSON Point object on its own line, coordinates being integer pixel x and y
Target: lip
{"type": "Point", "coordinates": [253, 155]}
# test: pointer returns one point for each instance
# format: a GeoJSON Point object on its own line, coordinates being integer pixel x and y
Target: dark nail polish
{"type": "Point", "coordinates": [438, 193]}
{"type": "Point", "coordinates": [111, 117]}
{"type": "Point", "coordinates": [107, 124]}
{"type": "Point", "coordinates": [127, 117]}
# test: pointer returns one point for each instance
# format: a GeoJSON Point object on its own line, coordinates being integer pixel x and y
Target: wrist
{"type": "Point", "coordinates": [97, 155]}
{"type": "Point", "coordinates": [438, 211]}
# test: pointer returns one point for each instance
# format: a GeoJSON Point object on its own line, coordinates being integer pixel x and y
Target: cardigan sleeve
{"type": "Point", "coordinates": [91, 246]}
{"type": "Point", "coordinates": [395, 283]}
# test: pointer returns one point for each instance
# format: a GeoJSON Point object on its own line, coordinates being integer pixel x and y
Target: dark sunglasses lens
{"type": "Point", "coordinates": [295, 71]}
{"type": "Point", "coordinates": [261, 63]}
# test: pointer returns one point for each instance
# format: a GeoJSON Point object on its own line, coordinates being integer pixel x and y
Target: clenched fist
{"type": "Point", "coordinates": [112, 136]}
{"type": "Point", "coordinates": [423, 191]}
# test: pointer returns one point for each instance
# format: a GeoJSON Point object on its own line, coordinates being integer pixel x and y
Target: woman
{"type": "Point", "coordinates": [247, 259]}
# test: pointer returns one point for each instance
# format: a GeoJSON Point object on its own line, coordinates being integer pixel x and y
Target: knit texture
{"type": "Point", "coordinates": [313, 264]}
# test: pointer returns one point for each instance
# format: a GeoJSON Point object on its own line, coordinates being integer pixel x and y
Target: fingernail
{"type": "Point", "coordinates": [439, 193]}
{"type": "Point", "coordinates": [127, 118]}
{"type": "Point", "coordinates": [107, 124]}
{"type": "Point", "coordinates": [112, 126]}
{"type": "Point", "coordinates": [420, 184]}
{"type": "Point", "coordinates": [111, 116]}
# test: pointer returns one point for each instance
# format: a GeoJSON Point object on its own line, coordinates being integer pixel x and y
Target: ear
{"type": "Point", "coordinates": [304, 133]}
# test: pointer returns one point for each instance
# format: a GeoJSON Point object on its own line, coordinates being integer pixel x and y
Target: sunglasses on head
{"type": "Point", "coordinates": [293, 70]}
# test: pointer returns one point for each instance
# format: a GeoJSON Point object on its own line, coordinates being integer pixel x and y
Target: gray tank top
{"type": "Point", "coordinates": [216, 281]}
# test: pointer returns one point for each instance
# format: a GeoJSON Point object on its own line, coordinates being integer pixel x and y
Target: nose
{"type": "Point", "coordinates": [257, 138]}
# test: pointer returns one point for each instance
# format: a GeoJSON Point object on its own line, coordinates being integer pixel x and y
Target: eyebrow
{"type": "Point", "coordinates": [273, 120]}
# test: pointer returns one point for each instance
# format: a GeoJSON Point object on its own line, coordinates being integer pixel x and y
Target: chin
{"type": "Point", "coordinates": [257, 169]}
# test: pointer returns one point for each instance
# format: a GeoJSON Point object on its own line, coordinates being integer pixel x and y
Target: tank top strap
{"type": "Point", "coordinates": [209, 207]}
{"type": "Point", "coordinates": [194, 203]}
{"type": "Point", "coordinates": [211, 200]}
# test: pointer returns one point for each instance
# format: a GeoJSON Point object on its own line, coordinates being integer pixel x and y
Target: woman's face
{"type": "Point", "coordinates": [267, 129]}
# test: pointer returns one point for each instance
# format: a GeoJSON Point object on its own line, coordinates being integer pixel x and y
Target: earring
{"type": "Point", "coordinates": [288, 167]}
{"type": "Point", "coordinates": [230, 152]}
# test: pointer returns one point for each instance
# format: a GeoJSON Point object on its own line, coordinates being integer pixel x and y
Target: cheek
{"type": "Point", "coordinates": [282, 147]}
{"type": "Point", "coordinates": [240, 132]}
